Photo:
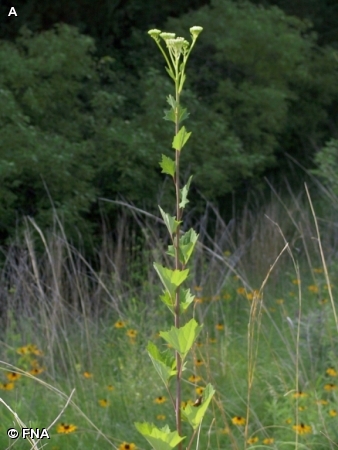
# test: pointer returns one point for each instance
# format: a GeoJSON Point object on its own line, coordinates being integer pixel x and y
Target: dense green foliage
{"type": "Point", "coordinates": [79, 114]}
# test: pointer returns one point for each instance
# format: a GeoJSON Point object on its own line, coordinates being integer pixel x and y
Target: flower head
{"type": "Point", "coordinates": [267, 441]}
{"type": "Point", "coordinates": [252, 440]}
{"type": "Point", "coordinates": [299, 394]}
{"type": "Point", "coordinates": [87, 375]}
{"type": "Point", "coordinates": [103, 402]}
{"type": "Point", "coordinates": [125, 446]}
{"type": "Point", "coordinates": [302, 429]}
{"type": "Point", "coordinates": [331, 372]}
{"type": "Point", "coordinates": [154, 33]}
{"type": "Point", "coordinates": [330, 387]}
{"type": "Point", "coordinates": [132, 333]}
{"type": "Point", "coordinates": [160, 400]}
{"type": "Point", "coordinates": [7, 386]}
{"type": "Point", "coordinates": [194, 378]}
{"type": "Point", "coordinates": [195, 31]}
{"type": "Point", "coordinates": [64, 428]}
{"type": "Point", "coordinates": [238, 420]}
{"type": "Point", "coordinates": [36, 371]}
{"type": "Point", "coordinates": [199, 390]}
{"type": "Point", "coordinates": [166, 36]}
{"type": "Point", "coordinates": [13, 376]}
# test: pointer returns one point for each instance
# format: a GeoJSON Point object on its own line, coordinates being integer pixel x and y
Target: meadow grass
{"type": "Point", "coordinates": [77, 338]}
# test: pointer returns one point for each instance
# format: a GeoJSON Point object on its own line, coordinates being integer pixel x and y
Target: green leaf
{"type": "Point", "coordinates": [187, 244]}
{"type": "Point", "coordinates": [165, 277]}
{"type": "Point", "coordinates": [186, 299]}
{"type": "Point", "coordinates": [181, 139]}
{"type": "Point", "coordinates": [179, 276]}
{"type": "Point", "coordinates": [159, 439]}
{"type": "Point", "coordinates": [184, 193]}
{"type": "Point", "coordinates": [164, 362]}
{"type": "Point", "coordinates": [172, 102]}
{"type": "Point", "coordinates": [171, 279]}
{"type": "Point", "coordinates": [194, 414]}
{"type": "Point", "coordinates": [182, 338]}
{"type": "Point", "coordinates": [168, 166]}
{"type": "Point", "coordinates": [170, 73]}
{"type": "Point", "coordinates": [181, 116]}
{"type": "Point", "coordinates": [170, 221]}
{"type": "Point", "coordinates": [168, 301]}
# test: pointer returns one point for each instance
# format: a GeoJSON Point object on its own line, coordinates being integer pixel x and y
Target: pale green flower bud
{"type": "Point", "coordinates": [166, 36]}
{"type": "Point", "coordinates": [195, 31]}
{"type": "Point", "coordinates": [154, 33]}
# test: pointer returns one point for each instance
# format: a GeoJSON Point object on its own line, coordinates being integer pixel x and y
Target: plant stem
{"type": "Point", "coordinates": [177, 267]}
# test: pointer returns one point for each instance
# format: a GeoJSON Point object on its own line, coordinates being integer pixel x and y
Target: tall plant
{"type": "Point", "coordinates": [170, 364]}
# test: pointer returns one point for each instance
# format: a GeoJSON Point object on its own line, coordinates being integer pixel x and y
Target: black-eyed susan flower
{"type": "Point", "coordinates": [318, 270]}
{"type": "Point", "coordinates": [36, 371]}
{"type": "Point", "coordinates": [65, 428]}
{"type": "Point", "coordinates": [110, 387]}
{"type": "Point", "coordinates": [238, 420]}
{"type": "Point", "coordinates": [132, 333]}
{"type": "Point", "coordinates": [249, 296]}
{"type": "Point", "coordinates": [194, 378]}
{"type": "Point", "coordinates": [159, 400]}
{"type": "Point", "coordinates": [199, 344]}
{"type": "Point", "coordinates": [313, 288]}
{"type": "Point", "coordinates": [199, 390]}
{"type": "Point", "coordinates": [331, 372]}
{"type": "Point", "coordinates": [34, 350]}
{"type": "Point", "coordinates": [296, 281]}
{"type": "Point", "coordinates": [322, 402]}
{"type": "Point", "coordinates": [219, 327]}
{"type": "Point", "coordinates": [198, 300]}
{"type": "Point", "coordinates": [323, 301]}
{"type": "Point", "coordinates": [225, 430]}
{"type": "Point", "coordinates": [198, 362]}
{"type": "Point", "coordinates": [302, 429]}
{"type": "Point", "coordinates": [7, 386]}
{"type": "Point", "coordinates": [299, 394]}
{"type": "Point", "coordinates": [301, 408]}
{"type": "Point", "coordinates": [252, 440]}
{"type": "Point", "coordinates": [268, 441]}
{"type": "Point", "coordinates": [87, 375]}
{"type": "Point", "coordinates": [227, 296]}
{"type": "Point", "coordinates": [120, 324]}
{"type": "Point", "coordinates": [23, 350]}
{"type": "Point", "coordinates": [103, 402]}
{"type": "Point", "coordinates": [241, 291]}
{"type": "Point", "coordinates": [13, 376]}
{"type": "Point", "coordinates": [160, 417]}
{"type": "Point", "coordinates": [330, 387]}
{"type": "Point", "coordinates": [280, 301]}
{"type": "Point", "coordinates": [288, 421]}
{"type": "Point", "coordinates": [333, 412]}
{"type": "Point", "coordinates": [125, 446]}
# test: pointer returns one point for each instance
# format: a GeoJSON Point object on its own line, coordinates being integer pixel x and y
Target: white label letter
{"type": "Point", "coordinates": [12, 11]}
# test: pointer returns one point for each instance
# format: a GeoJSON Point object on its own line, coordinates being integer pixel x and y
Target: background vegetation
{"type": "Point", "coordinates": [82, 88]}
